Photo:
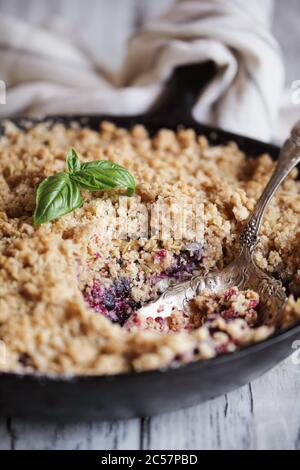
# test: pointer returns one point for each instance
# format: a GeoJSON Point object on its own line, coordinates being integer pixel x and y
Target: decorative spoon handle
{"type": "Point", "coordinates": [289, 157]}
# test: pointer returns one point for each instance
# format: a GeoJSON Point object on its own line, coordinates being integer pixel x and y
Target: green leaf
{"type": "Point", "coordinates": [73, 162]}
{"type": "Point", "coordinates": [103, 175]}
{"type": "Point", "coordinates": [56, 196]}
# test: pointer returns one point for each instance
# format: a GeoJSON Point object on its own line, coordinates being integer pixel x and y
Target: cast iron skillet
{"type": "Point", "coordinates": [148, 393]}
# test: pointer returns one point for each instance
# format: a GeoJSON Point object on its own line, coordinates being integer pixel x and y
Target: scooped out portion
{"type": "Point", "coordinates": [116, 300]}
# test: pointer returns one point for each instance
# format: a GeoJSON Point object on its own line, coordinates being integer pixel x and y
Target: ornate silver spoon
{"type": "Point", "coordinates": [242, 272]}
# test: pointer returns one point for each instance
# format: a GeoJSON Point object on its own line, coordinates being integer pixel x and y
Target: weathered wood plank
{"type": "Point", "coordinates": [6, 440]}
{"type": "Point", "coordinates": [277, 409]}
{"type": "Point", "coordinates": [202, 427]}
{"type": "Point", "coordinates": [22, 435]}
{"type": "Point", "coordinates": [263, 415]}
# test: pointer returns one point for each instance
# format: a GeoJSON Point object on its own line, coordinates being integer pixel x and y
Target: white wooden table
{"type": "Point", "coordinates": [262, 415]}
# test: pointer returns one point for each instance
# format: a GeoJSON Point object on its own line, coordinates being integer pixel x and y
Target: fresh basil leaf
{"type": "Point", "coordinates": [60, 194]}
{"type": "Point", "coordinates": [73, 162]}
{"type": "Point", "coordinates": [56, 196]}
{"type": "Point", "coordinates": [103, 175]}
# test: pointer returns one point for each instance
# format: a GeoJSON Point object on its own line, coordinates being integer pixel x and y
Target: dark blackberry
{"type": "Point", "coordinates": [134, 305]}
{"type": "Point", "coordinates": [109, 300]}
{"type": "Point", "coordinates": [123, 312]}
{"type": "Point", "coordinates": [25, 360]}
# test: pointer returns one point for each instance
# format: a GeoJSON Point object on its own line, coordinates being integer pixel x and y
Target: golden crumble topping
{"type": "Point", "coordinates": [67, 288]}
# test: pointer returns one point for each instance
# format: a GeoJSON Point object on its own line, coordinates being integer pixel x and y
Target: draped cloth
{"type": "Point", "coordinates": [46, 73]}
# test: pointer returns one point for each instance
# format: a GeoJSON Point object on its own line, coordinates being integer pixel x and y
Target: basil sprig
{"type": "Point", "coordinates": [60, 194]}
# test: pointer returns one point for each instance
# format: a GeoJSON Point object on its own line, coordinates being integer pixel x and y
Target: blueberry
{"type": "Point", "coordinates": [114, 302]}
{"type": "Point", "coordinates": [122, 287]}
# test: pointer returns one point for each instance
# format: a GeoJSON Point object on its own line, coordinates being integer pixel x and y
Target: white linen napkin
{"type": "Point", "coordinates": [46, 74]}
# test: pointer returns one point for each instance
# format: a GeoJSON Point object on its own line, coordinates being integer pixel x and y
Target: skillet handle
{"type": "Point", "coordinates": [181, 92]}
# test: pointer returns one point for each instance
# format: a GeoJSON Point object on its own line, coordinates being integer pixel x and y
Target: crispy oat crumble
{"type": "Point", "coordinates": [66, 290]}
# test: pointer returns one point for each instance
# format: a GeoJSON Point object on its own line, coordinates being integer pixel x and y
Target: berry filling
{"type": "Point", "coordinates": [186, 263]}
{"type": "Point", "coordinates": [116, 302]}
